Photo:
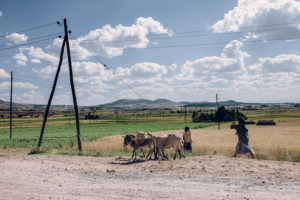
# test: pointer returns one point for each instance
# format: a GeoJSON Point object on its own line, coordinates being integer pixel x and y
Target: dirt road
{"type": "Point", "coordinates": [207, 177]}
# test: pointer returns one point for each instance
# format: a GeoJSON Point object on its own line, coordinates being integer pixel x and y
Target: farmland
{"type": "Point", "coordinates": [100, 137]}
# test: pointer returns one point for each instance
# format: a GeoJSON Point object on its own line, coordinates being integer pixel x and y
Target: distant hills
{"type": "Point", "coordinates": [128, 104]}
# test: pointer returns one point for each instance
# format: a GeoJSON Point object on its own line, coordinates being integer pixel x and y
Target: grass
{"type": "Point", "coordinates": [279, 142]}
{"type": "Point", "coordinates": [66, 135]}
{"type": "Point", "coordinates": [103, 137]}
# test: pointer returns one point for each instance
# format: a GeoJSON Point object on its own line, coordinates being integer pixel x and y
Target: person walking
{"type": "Point", "coordinates": [243, 145]}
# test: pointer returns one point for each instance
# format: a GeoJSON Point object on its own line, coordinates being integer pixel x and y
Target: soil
{"type": "Point", "coordinates": [204, 177]}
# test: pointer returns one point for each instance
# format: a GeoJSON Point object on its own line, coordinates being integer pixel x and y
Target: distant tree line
{"type": "Point", "coordinates": [221, 115]}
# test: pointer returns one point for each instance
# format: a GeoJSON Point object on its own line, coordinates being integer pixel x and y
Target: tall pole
{"type": "Point", "coordinates": [217, 110]}
{"type": "Point", "coordinates": [52, 93]}
{"type": "Point", "coordinates": [10, 108]}
{"type": "Point", "coordinates": [72, 85]}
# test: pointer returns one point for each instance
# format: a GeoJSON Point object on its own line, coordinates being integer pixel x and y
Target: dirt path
{"type": "Point", "coordinates": [207, 177]}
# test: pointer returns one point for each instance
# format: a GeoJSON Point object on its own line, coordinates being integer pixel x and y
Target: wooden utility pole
{"type": "Point", "coordinates": [52, 92]}
{"type": "Point", "coordinates": [65, 42]}
{"type": "Point", "coordinates": [218, 110]}
{"type": "Point", "coordinates": [72, 84]}
{"type": "Point", "coordinates": [184, 114]}
{"type": "Point", "coordinates": [10, 107]}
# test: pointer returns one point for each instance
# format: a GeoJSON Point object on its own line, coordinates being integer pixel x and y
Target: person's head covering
{"type": "Point", "coordinates": [241, 120]}
{"type": "Point", "coordinates": [186, 128]}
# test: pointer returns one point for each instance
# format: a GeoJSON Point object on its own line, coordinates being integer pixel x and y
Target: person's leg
{"type": "Point", "coordinates": [252, 154]}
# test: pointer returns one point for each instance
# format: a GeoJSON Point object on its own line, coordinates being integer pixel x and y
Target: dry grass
{"type": "Point", "coordinates": [279, 142]}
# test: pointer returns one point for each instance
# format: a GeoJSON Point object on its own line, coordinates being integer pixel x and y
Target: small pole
{"type": "Point", "coordinates": [184, 114]}
{"type": "Point", "coordinates": [10, 108]}
{"type": "Point", "coordinates": [69, 116]}
{"type": "Point", "coordinates": [217, 110]}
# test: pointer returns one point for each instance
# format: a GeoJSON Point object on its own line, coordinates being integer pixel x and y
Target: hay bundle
{"type": "Point", "coordinates": [265, 122]}
{"type": "Point", "coordinates": [250, 122]}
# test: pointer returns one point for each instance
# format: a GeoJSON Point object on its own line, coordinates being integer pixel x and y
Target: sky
{"type": "Point", "coordinates": [244, 50]}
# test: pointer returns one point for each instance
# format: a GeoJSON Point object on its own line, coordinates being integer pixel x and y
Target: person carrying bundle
{"type": "Point", "coordinates": [243, 145]}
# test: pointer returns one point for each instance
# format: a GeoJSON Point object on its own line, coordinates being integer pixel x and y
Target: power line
{"type": "Point", "coordinates": [190, 36]}
{"type": "Point", "coordinates": [16, 46]}
{"type": "Point", "coordinates": [129, 86]}
{"type": "Point", "coordinates": [30, 29]}
{"type": "Point", "coordinates": [242, 27]}
{"type": "Point", "coordinates": [200, 44]}
{"type": "Point", "coordinates": [32, 39]}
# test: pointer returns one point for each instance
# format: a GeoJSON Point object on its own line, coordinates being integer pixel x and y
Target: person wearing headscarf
{"type": "Point", "coordinates": [187, 139]}
{"type": "Point", "coordinates": [243, 145]}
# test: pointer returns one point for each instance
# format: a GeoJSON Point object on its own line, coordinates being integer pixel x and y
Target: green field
{"type": "Point", "coordinates": [60, 131]}
{"type": "Point", "coordinates": [57, 136]}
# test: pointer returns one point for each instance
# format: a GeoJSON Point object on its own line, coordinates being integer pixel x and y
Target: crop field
{"type": "Point", "coordinates": [103, 136]}
{"type": "Point", "coordinates": [60, 129]}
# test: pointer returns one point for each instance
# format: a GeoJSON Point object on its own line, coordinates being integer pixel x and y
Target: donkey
{"type": "Point", "coordinates": [138, 144]}
{"type": "Point", "coordinates": [171, 141]}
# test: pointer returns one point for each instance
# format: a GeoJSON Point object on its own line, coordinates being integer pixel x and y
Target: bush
{"type": "Point", "coordinates": [221, 115]}
{"type": "Point", "coordinates": [266, 122]}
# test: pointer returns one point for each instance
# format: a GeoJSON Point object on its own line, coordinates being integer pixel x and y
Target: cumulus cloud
{"type": "Point", "coordinates": [21, 59]}
{"type": "Point", "coordinates": [17, 37]}
{"type": "Point", "coordinates": [232, 59]}
{"type": "Point", "coordinates": [4, 74]}
{"type": "Point", "coordinates": [90, 72]}
{"type": "Point", "coordinates": [173, 67]}
{"type": "Point", "coordinates": [281, 63]}
{"type": "Point", "coordinates": [144, 72]}
{"type": "Point", "coordinates": [39, 53]}
{"type": "Point", "coordinates": [257, 13]}
{"type": "Point", "coordinates": [6, 85]}
{"type": "Point", "coordinates": [111, 41]}
{"type": "Point", "coordinates": [35, 60]}
{"type": "Point", "coordinates": [31, 96]}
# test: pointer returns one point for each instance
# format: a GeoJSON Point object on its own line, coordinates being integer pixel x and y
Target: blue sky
{"type": "Point", "coordinates": [246, 50]}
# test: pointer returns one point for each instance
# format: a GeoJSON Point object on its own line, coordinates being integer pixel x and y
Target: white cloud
{"type": "Point", "coordinates": [38, 53]}
{"type": "Point", "coordinates": [21, 59]}
{"type": "Point", "coordinates": [281, 63]}
{"type": "Point", "coordinates": [258, 13]}
{"type": "Point", "coordinates": [145, 72]}
{"type": "Point", "coordinates": [90, 72]}
{"type": "Point", "coordinates": [4, 74]}
{"type": "Point", "coordinates": [46, 72]}
{"type": "Point", "coordinates": [62, 99]}
{"type": "Point", "coordinates": [173, 67]}
{"type": "Point", "coordinates": [6, 85]}
{"type": "Point", "coordinates": [33, 97]}
{"type": "Point", "coordinates": [232, 59]}
{"type": "Point", "coordinates": [36, 61]}
{"type": "Point", "coordinates": [111, 41]}
{"type": "Point", "coordinates": [1, 13]}
{"type": "Point", "coordinates": [17, 37]}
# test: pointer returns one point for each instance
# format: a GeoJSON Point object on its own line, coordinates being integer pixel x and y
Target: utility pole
{"type": "Point", "coordinates": [184, 114]}
{"type": "Point", "coordinates": [72, 84]}
{"type": "Point", "coordinates": [217, 110]}
{"type": "Point", "coordinates": [10, 107]}
{"type": "Point", "coordinates": [65, 43]}
{"type": "Point", "coordinates": [52, 93]}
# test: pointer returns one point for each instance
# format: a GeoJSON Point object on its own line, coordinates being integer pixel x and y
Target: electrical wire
{"type": "Point", "coordinates": [31, 39]}
{"type": "Point", "coordinates": [107, 67]}
{"type": "Point", "coordinates": [188, 36]}
{"type": "Point", "coordinates": [30, 29]}
{"type": "Point", "coordinates": [25, 44]}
